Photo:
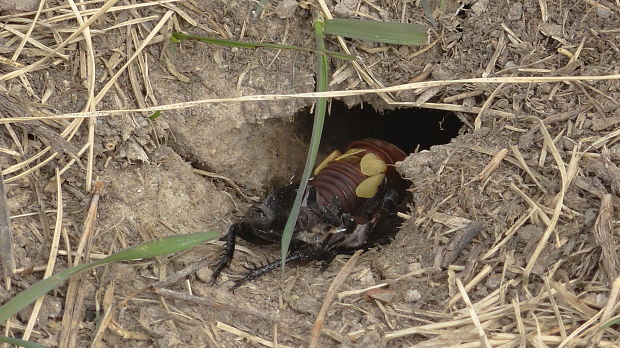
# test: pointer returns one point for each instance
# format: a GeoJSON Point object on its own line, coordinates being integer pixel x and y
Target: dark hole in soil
{"type": "Point", "coordinates": [405, 128]}
{"type": "Point", "coordinates": [409, 129]}
{"type": "Point", "coordinates": [464, 12]}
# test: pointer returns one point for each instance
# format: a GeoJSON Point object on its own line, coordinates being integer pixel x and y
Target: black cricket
{"type": "Point", "coordinates": [348, 196]}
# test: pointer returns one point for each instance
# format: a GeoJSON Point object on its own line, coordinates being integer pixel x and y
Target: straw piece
{"type": "Point", "coordinates": [6, 239]}
{"type": "Point", "coordinates": [517, 153]}
{"type": "Point", "coordinates": [492, 165]}
{"type": "Point", "coordinates": [608, 310]}
{"type": "Point", "coordinates": [501, 44]}
{"type": "Point", "coordinates": [51, 261]}
{"type": "Point", "coordinates": [484, 340]}
{"type": "Point", "coordinates": [330, 296]}
{"type": "Point", "coordinates": [247, 336]}
{"type": "Point", "coordinates": [570, 299]}
{"type": "Point", "coordinates": [486, 105]}
{"type": "Point", "coordinates": [331, 94]}
{"type": "Point", "coordinates": [98, 13]}
{"type": "Point", "coordinates": [603, 232]}
{"type": "Point", "coordinates": [508, 234]}
{"type": "Point", "coordinates": [477, 279]}
{"type": "Point", "coordinates": [520, 326]}
{"type": "Point", "coordinates": [106, 320]}
{"type": "Point", "coordinates": [344, 294]}
{"type": "Point", "coordinates": [217, 306]}
{"type": "Point", "coordinates": [559, 198]}
{"type": "Point", "coordinates": [74, 309]}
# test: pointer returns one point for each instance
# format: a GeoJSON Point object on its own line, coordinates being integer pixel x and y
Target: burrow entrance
{"type": "Point", "coordinates": [410, 129]}
{"type": "Point", "coordinates": [262, 158]}
{"type": "Point", "coordinates": [282, 144]}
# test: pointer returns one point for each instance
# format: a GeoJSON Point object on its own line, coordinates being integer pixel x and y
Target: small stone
{"type": "Point", "coordinates": [493, 281]}
{"type": "Point", "coordinates": [551, 29]}
{"type": "Point", "coordinates": [480, 7]}
{"type": "Point", "coordinates": [589, 217]}
{"type": "Point", "coordinates": [53, 306]}
{"type": "Point", "coordinates": [204, 274]}
{"type": "Point", "coordinates": [380, 294]}
{"type": "Point", "coordinates": [365, 276]}
{"type": "Point", "coordinates": [394, 271]}
{"type": "Point", "coordinates": [412, 295]}
{"type": "Point", "coordinates": [568, 144]}
{"type": "Point", "coordinates": [515, 12]}
{"type": "Point", "coordinates": [345, 7]}
{"type": "Point", "coordinates": [510, 65]}
{"type": "Point", "coordinates": [416, 266]}
{"type": "Point", "coordinates": [286, 9]}
{"type": "Point", "coordinates": [603, 13]}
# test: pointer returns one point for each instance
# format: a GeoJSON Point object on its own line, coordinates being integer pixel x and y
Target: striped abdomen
{"type": "Point", "coordinates": [363, 170]}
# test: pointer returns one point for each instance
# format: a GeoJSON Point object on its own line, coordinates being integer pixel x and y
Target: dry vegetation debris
{"type": "Point", "coordinates": [511, 239]}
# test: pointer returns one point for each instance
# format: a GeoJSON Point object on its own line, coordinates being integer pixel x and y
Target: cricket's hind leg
{"type": "Point", "coordinates": [298, 257]}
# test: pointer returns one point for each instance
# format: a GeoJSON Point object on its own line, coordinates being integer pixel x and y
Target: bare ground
{"type": "Point", "coordinates": [533, 178]}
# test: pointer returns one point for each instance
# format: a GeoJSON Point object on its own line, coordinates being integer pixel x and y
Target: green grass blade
{"type": "Point", "coordinates": [161, 246]}
{"type": "Point", "coordinates": [387, 32]}
{"type": "Point", "coordinates": [315, 141]}
{"type": "Point", "coordinates": [157, 247]}
{"type": "Point", "coordinates": [613, 321]}
{"type": "Point", "coordinates": [178, 37]}
{"type": "Point", "coordinates": [155, 115]}
{"type": "Point", "coordinates": [428, 11]}
{"type": "Point", "coordinates": [21, 343]}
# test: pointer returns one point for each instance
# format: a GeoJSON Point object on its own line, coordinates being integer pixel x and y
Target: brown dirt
{"type": "Point", "coordinates": [151, 189]}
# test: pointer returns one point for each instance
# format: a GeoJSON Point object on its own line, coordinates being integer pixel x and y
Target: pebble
{"type": "Point", "coordinates": [412, 295]}
{"type": "Point", "coordinates": [480, 7]}
{"type": "Point", "coordinates": [603, 13]}
{"type": "Point", "coordinates": [515, 12]}
{"type": "Point", "coordinates": [204, 274]}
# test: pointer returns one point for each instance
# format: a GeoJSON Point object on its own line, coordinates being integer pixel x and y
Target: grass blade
{"type": "Point", "coordinates": [155, 115]}
{"type": "Point", "coordinates": [157, 247]}
{"type": "Point", "coordinates": [178, 37]}
{"type": "Point", "coordinates": [613, 321]}
{"type": "Point", "coordinates": [21, 343]}
{"type": "Point", "coordinates": [387, 32]}
{"type": "Point", "coordinates": [315, 141]}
